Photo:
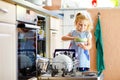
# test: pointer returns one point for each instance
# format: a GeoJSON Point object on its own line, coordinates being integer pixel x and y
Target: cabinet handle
{"type": "Point", "coordinates": [3, 10]}
{"type": "Point", "coordinates": [4, 35]}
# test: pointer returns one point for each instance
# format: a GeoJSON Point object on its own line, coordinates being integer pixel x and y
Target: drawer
{"type": "Point", "coordinates": [7, 12]}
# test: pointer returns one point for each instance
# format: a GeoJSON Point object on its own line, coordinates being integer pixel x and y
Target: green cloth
{"type": "Point", "coordinates": [99, 47]}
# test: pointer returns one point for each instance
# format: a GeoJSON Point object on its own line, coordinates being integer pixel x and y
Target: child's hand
{"type": "Point", "coordinates": [82, 45]}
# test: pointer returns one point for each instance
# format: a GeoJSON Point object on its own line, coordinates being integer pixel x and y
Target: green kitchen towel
{"type": "Point", "coordinates": [99, 47]}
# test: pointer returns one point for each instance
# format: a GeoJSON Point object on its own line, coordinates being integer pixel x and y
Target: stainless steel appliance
{"type": "Point", "coordinates": [27, 43]}
{"type": "Point", "coordinates": [27, 50]}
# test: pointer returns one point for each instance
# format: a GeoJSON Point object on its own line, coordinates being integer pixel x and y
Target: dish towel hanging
{"type": "Point", "coordinates": [99, 47]}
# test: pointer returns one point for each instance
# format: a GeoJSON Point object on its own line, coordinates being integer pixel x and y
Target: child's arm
{"type": "Point", "coordinates": [68, 37]}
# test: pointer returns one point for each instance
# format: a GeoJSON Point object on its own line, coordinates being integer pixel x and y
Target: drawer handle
{"type": "Point", "coordinates": [4, 35]}
{"type": "Point", "coordinates": [4, 10]}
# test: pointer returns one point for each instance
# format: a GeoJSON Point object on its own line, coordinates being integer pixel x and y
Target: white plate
{"type": "Point", "coordinates": [24, 61]}
{"type": "Point", "coordinates": [62, 61]}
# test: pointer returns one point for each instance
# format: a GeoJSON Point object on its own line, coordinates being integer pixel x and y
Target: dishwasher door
{"type": "Point", "coordinates": [8, 43]}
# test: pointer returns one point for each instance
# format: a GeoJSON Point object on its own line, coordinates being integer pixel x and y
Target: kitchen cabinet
{"type": "Point", "coordinates": [54, 23]}
{"type": "Point", "coordinates": [8, 52]}
{"type": "Point", "coordinates": [55, 35]}
{"type": "Point", "coordinates": [8, 43]}
{"type": "Point", "coordinates": [7, 12]}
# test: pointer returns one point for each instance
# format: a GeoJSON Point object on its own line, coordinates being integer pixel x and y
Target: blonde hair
{"type": "Point", "coordinates": [80, 16]}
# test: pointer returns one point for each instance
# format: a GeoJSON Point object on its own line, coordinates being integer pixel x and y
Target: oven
{"type": "Point", "coordinates": [27, 43]}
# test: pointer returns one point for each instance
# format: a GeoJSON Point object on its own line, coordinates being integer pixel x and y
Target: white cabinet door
{"type": "Point", "coordinates": [53, 42]}
{"type": "Point", "coordinates": [54, 23]}
{"type": "Point", "coordinates": [7, 12]}
{"type": "Point", "coordinates": [55, 35]}
{"type": "Point", "coordinates": [8, 58]}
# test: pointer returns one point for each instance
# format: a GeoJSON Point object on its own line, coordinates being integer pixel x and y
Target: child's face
{"type": "Point", "coordinates": [82, 25]}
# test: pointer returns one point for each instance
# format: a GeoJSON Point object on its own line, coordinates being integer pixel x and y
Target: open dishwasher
{"type": "Point", "coordinates": [64, 66]}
